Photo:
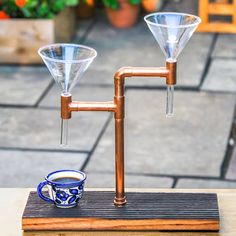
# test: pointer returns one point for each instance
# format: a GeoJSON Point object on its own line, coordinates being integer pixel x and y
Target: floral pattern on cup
{"type": "Point", "coordinates": [63, 195]}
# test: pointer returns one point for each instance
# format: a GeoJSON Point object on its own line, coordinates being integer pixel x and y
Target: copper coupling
{"type": "Point", "coordinates": [172, 73]}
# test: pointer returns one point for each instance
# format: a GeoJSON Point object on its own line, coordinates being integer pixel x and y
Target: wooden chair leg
{"type": "Point", "coordinates": [234, 12]}
{"type": "Point", "coordinates": [222, 1]}
{"type": "Point", "coordinates": [203, 10]}
{"type": "Point", "coordinates": [221, 8]}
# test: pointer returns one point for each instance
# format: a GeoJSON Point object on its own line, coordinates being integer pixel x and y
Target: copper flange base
{"type": "Point", "coordinates": [119, 202]}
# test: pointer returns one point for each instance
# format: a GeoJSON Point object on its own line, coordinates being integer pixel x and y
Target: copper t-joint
{"type": "Point", "coordinates": [118, 107]}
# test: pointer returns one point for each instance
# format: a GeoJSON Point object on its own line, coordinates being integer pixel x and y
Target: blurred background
{"type": "Point", "coordinates": [194, 149]}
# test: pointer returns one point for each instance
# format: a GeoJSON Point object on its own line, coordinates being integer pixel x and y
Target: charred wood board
{"type": "Point", "coordinates": [144, 211]}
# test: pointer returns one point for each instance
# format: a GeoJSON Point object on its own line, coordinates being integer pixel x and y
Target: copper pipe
{"type": "Point", "coordinates": [125, 72]}
{"type": "Point", "coordinates": [120, 198]}
{"type": "Point", "coordinates": [67, 106]}
{"type": "Point", "coordinates": [170, 74]}
{"type": "Point", "coordinates": [92, 106]}
{"type": "Point", "coordinates": [119, 100]}
{"type": "Point", "coordinates": [118, 107]}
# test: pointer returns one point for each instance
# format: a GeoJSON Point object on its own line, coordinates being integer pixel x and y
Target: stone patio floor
{"type": "Point", "coordinates": [194, 149]}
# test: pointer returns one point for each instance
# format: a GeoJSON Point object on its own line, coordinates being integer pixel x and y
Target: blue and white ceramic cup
{"type": "Point", "coordinates": [65, 188]}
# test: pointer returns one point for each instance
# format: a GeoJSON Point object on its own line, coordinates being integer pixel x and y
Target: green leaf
{"type": "Point", "coordinates": [50, 15]}
{"type": "Point", "coordinates": [135, 2]}
{"type": "Point", "coordinates": [31, 4]}
{"type": "Point", "coordinates": [106, 3]}
{"type": "Point", "coordinates": [36, 8]}
{"type": "Point", "coordinates": [43, 10]}
{"type": "Point", "coordinates": [26, 12]}
{"type": "Point", "coordinates": [113, 4]}
{"type": "Point", "coordinates": [71, 2]}
{"type": "Point", "coordinates": [58, 6]}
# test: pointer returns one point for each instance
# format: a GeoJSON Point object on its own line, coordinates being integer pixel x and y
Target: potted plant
{"type": "Point", "coordinates": [26, 25]}
{"type": "Point", "coordinates": [86, 9]}
{"type": "Point", "coordinates": [34, 8]}
{"type": "Point", "coordinates": [122, 13]}
{"type": "Point", "coordinates": [152, 5]}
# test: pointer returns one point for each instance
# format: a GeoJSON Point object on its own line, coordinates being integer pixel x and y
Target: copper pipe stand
{"type": "Point", "coordinates": [118, 107]}
{"type": "Point", "coordinates": [144, 210]}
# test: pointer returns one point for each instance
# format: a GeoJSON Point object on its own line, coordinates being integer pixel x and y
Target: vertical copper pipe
{"type": "Point", "coordinates": [119, 99]}
{"type": "Point", "coordinates": [169, 72]}
{"type": "Point", "coordinates": [120, 198]}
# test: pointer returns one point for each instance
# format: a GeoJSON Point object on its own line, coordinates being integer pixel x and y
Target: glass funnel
{"type": "Point", "coordinates": [172, 31]}
{"type": "Point", "coordinates": [66, 63]}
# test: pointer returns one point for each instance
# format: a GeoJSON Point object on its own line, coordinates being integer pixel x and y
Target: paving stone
{"type": "Point", "coordinates": [98, 77]}
{"type": "Point", "coordinates": [221, 76]}
{"type": "Point", "coordinates": [195, 183]}
{"type": "Point", "coordinates": [106, 180]}
{"type": "Point", "coordinates": [231, 173]}
{"type": "Point", "coordinates": [79, 93]}
{"type": "Point", "coordinates": [182, 6]}
{"type": "Point", "coordinates": [39, 128]}
{"type": "Point", "coordinates": [82, 29]}
{"type": "Point", "coordinates": [27, 169]}
{"type": "Point", "coordinates": [23, 85]}
{"type": "Point", "coordinates": [193, 142]}
{"type": "Point", "coordinates": [137, 47]}
{"type": "Point", "coordinates": [225, 46]}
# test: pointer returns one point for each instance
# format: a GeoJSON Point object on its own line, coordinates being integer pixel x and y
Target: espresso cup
{"type": "Point", "coordinates": [65, 188]}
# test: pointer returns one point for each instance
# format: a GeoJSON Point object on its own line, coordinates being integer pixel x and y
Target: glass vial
{"type": "Point", "coordinates": [64, 132]}
{"type": "Point", "coordinates": [170, 101]}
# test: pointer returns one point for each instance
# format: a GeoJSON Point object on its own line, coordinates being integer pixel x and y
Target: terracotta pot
{"type": "Point", "coordinates": [124, 17]}
{"type": "Point", "coordinates": [152, 5]}
{"type": "Point", "coordinates": [86, 10]}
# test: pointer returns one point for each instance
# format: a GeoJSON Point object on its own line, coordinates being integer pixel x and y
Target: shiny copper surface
{"type": "Point", "coordinates": [65, 111]}
{"type": "Point", "coordinates": [171, 77]}
{"type": "Point", "coordinates": [118, 107]}
{"type": "Point", "coordinates": [125, 72]}
{"type": "Point", "coordinates": [92, 106]}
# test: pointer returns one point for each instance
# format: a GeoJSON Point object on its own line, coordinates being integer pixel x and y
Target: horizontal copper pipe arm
{"type": "Point", "coordinates": [168, 72]}
{"type": "Point", "coordinates": [67, 106]}
{"type": "Point", "coordinates": [126, 72]}
{"type": "Point", "coordinates": [92, 106]}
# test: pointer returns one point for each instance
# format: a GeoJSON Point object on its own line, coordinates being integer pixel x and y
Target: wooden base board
{"type": "Point", "coordinates": [144, 211]}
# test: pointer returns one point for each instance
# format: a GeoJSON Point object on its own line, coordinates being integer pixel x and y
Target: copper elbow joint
{"type": "Point", "coordinates": [124, 72]}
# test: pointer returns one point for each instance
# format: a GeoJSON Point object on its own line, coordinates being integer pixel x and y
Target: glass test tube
{"type": "Point", "coordinates": [64, 132]}
{"type": "Point", "coordinates": [170, 101]}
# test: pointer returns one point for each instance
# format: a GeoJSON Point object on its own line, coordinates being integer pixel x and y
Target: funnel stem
{"type": "Point", "coordinates": [64, 132]}
{"type": "Point", "coordinates": [170, 101]}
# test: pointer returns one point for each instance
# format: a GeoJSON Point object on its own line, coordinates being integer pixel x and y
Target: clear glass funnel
{"type": "Point", "coordinates": [66, 63]}
{"type": "Point", "coordinates": [172, 31]}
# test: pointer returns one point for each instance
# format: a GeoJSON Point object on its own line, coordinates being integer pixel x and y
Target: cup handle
{"type": "Point", "coordinates": [40, 194]}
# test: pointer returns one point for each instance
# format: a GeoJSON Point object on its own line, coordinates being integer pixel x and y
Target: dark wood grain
{"type": "Point", "coordinates": [144, 211]}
